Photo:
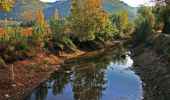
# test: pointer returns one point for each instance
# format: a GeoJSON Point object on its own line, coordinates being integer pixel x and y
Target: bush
{"type": "Point", "coordinates": [60, 38]}
{"type": "Point", "coordinates": [123, 24]}
{"type": "Point", "coordinates": [163, 45]}
{"type": "Point", "coordinates": [108, 32]}
{"type": "Point", "coordinates": [37, 38]}
{"type": "Point", "coordinates": [144, 23]}
{"type": "Point", "coordinates": [13, 43]}
{"type": "Point", "coordinates": [142, 29]}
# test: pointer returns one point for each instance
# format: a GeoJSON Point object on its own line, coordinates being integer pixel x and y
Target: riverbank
{"type": "Point", "coordinates": [152, 65]}
{"type": "Point", "coordinates": [29, 73]}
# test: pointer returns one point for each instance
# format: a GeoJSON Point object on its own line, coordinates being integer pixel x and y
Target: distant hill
{"type": "Point", "coordinates": [20, 7]}
{"type": "Point", "coordinates": [63, 8]}
{"type": "Point", "coordinates": [116, 5]}
{"type": "Point", "coordinates": [109, 6]}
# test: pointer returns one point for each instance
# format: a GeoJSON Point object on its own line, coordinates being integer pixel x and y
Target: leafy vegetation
{"type": "Point", "coordinates": [162, 46]}
{"type": "Point", "coordinates": [87, 22]}
{"type": "Point", "coordinates": [161, 11]}
{"type": "Point", "coordinates": [90, 22]}
{"type": "Point", "coordinates": [121, 21]}
{"type": "Point", "coordinates": [62, 6]}
{"type": "Point", "coordinates": [88, 26]}
{"type": "Point", "coordinates": [37, 37]}
{"type": "Point", "coordinates": [6, 4]}
{"type": "Point", "coordinates": [60, 38]}
{"type": "Point", "coordinates": [144, 23]}
{"type": "Point", "coordinates": [13, 43]}
{"type": "Point", "coordinates": [27, 18]}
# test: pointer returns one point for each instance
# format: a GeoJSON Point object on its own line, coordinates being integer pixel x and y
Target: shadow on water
{"type": "Point", "coordinates": [105, 74]}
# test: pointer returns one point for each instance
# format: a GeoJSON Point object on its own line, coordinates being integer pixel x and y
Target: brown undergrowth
{"type": "Point", "coordinates": [29, 73]}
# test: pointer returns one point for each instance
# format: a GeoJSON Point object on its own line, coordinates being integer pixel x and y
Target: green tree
{"type": "Point", "coordinates": [163, 12]}
{"type": "Point", "coordinates": [146, 12]}
{"type": "Point", "coordinates": [60, 37]}
{"type": "Point", "coordinates": [87, 19]}
{"type": "Point", "coordinates": [13, 43]}
{"type": "Point", "coordinates": [37, 38]}
{"type": "Point", "coordinates": [144, 23]}
{"type": "Point", "coordinates": [121, 21]}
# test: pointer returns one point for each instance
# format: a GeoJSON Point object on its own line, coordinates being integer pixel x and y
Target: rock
{"type": "Point", "coordinates": [67, 72]}
{"type": "Point", "coordinates": [144, 84]}
{"type": "Point", "coordinates": [13, 85]}
{"type": "Point", "coordinates": [7, 96]}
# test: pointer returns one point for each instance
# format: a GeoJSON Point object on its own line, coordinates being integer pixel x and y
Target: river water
{"type": "Point", "coordinates": [105, 74]}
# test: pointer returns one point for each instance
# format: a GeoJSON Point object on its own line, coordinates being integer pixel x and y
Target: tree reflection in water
{"type": "Point", "coordinates": [86, 74]}
{"type": "Point", "coordinates": [41, 92]}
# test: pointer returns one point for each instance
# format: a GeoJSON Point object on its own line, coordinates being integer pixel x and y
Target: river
{"type": "Point", "coordinates": [105, 74]}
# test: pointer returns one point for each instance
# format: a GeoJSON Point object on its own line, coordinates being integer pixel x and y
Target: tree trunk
{"type": "Point", "coordinates": [12, 73]}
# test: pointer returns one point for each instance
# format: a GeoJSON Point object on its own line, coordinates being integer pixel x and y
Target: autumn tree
{"type": "Point", "coordinates": [87, 19]}
{"type": "Point", "coordinates": [122, 22]}
{"type": "Point", "coordinates": [56, 15]}
{"type": "Point", "coordinates": [27, 17]}
{"type": "Point", "coordinates": [6, 5]}
{"type": "Point", "coordinates": [40, 18]}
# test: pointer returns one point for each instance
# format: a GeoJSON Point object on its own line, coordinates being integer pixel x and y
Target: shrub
{"type": "Point", "coordinates": [13, 43]}
{"type": "Point", "coordinates": [163, 45]}
{"type": "Point", "coordinates": [142, 29]}
{"type": "Point", "coordinates": [144, 23]}
{"type": "Point", "coordinates": [108, 31]}
{"type": "Point", "coordinates": [37, 38]}
{"type": "Point", "coordinates": [121, 21]}
{"type": "Point", "coordinates": [60, 38]}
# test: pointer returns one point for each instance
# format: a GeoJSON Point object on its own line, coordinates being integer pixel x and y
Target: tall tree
{"type": "Point", "coordinates": [87, 18]}
{"type": "Point", "coordinates": [56, 15]}
{"type": "Point", "coordinates": [40, 18]}
{"type": "Point", "coordinates": [144, 23]}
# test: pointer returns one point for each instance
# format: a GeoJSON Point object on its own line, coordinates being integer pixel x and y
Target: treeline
{"type": "Point", "coordinates": [150, 19]}
{"type": "Point", "coordinates": [87, 22]}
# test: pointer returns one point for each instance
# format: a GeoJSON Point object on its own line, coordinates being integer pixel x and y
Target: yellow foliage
{"type": "Point", "coordinates": [56, 15]}
{"type": "Point", "coordinates": [40, 18]}
{"type": "Point", "coordinates": [6, 4]}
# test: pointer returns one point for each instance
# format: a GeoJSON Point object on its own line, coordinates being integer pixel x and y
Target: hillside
{"type": "Point", "coordinates": [20, 7]}
{"type": "Point", "coordinates": [63, 8]}
{"type": "Point", "coordinates": [109, 6]}
{"type": "Point", "coordinates": [116, 5]}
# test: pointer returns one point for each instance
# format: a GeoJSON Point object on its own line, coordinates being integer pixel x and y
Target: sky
{"type": "Point", "coordinates": [133, 3]}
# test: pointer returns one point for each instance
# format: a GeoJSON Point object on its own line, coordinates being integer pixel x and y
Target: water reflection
{"type": "Point", "coordinates": [96, 75]}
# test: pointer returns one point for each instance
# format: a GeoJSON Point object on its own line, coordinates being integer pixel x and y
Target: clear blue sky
{"type": "Point", "coordinates": [133, 3]}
